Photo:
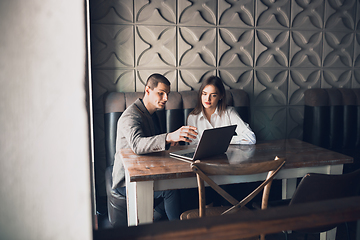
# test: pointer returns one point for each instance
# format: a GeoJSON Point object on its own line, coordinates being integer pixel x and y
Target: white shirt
{"type": "Point", "coordinates": [230, 117]}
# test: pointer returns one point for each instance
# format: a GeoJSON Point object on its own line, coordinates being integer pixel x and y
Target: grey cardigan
{"type": "Point", "coordinates": [135, 130]}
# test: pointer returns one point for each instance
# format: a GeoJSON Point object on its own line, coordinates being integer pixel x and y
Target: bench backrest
{"type": "Point", "coordinates": [332, 118]}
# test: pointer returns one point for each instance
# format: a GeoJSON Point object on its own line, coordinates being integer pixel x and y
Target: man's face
{"type": "Point", "coordinates": [157, 97]}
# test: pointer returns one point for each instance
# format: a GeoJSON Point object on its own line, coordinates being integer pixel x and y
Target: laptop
{"type": "Point", "coordinates": [213, 142]}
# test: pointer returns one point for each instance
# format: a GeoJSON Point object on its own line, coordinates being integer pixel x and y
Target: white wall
{"type": "Point", "coordinates": [44, 144]}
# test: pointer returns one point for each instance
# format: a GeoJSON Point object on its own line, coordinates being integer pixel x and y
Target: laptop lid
{"type": "Point", "coordinates": [213, 142]}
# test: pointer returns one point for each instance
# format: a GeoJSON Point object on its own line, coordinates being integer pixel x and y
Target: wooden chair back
{"type": "Point", "coordinates": [204, 169]}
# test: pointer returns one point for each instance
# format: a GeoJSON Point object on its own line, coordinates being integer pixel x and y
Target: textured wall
{"type": "Point", "coordinates": [274, 50]}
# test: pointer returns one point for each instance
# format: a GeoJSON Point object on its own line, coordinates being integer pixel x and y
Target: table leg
{"type": "Point", "coordinates": [335, 169]}
{"type": "Point", "coordinates": [140, 202]}
{"type": "Point", "coordinates": [288, 187]}
{"type": "Point", "coordinates": [329, 235]}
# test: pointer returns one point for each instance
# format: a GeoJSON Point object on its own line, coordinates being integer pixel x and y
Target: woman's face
{"type": "Point", "coordinates": [210, 97]}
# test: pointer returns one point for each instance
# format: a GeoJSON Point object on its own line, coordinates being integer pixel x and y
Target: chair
{"type": "Point", "coordinates": [318, 187]}
{"type": "Point", "coordinates": [203, 169]}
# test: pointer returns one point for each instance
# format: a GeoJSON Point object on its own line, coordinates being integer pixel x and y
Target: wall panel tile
{"type": "Point", "coordinates": [197, 47]}
{"type": "Point", "coordinates": [357, 49]}
{"type": "Point", "coordinates": [270, 88]}
{"type": "Point", "coordinates": [273, 14]}
{"type": "Point", "coordinates": [197, 12]}
{"type": "Point", "coordinates": [272, 48]}
{"type": "Point", "coordinates": [111, 11]}
{"type": "Point", "coordinates": [295, 118]}
{"type": "Point", "coordinates": [238, 14]}
{"type": "Point", "coordinates": [238, 78]}
{"type": "Point", "coordinates": [357, 17]}
{"type": "Point", "coordinates": [155, 46]}
{"type": "Point", "coordinates": [156, 12]}
{"type": "Point", "coordinates": [269, 123]}
{"type": "Point", "coordinates": [307, 15]}
{"type": "Point", "coordinates": [112, 46]}
{"type": "Point", "coordinates": [305, 49]}
{"type": "Point", "coordinates": [356, 79]}
{"type": "Point", "coordinates": [337, 78]}
{"type": "Point", "coordinates": [236, 47]}
{"type": "Point", "coordinates": [299, 81]}
{"type": "Point", "coordinates": [114, 80]}
{"type": "Point", "coordinates": [190, 79]}
{"type": "Point", "coordinates": [142, 76]}
{"type": "Point", "coordinates": [340, 14]}
{"type": "Point", "coordinates": [338, 49]}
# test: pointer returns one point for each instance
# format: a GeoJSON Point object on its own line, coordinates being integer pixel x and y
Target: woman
{"type": "Point", "coordinates": [211, 111]}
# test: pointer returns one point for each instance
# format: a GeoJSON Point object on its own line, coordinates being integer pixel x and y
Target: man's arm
{"type": "Point", "coordinates": [131, 128]}
{"type": "Point", "coordinates": [185, 133]}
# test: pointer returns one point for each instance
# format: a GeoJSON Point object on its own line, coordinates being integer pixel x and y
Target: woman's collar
{"type": "Point", "coordinates": [202, 115]}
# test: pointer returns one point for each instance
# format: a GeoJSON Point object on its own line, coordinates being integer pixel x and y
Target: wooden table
{"type": "Point", "coordinates": [158, 171]}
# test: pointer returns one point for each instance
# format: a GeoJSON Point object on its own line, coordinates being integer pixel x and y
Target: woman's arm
{"type": "Point", "coordinates": [244, 133]}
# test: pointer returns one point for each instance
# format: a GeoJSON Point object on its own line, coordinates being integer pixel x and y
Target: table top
{"type": "Point", "coordinates": [157, 166]}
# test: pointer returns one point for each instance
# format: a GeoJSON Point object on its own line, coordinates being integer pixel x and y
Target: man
{"type": "Point", "coordinates": [139, 129]}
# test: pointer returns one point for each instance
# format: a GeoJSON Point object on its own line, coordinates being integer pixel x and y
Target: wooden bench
{"type": "Point", "coordinates": [245, 224]}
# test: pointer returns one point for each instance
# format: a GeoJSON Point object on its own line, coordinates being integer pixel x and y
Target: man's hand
{"type": "Point", "coordinates": [185, 133]}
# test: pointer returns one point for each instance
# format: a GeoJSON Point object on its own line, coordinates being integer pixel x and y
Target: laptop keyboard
{"type": "Point", "coordinates": [190, 154]}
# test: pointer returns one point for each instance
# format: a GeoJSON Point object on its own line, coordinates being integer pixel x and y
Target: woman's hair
{"type": "Point", "coordinates": [218, 84]}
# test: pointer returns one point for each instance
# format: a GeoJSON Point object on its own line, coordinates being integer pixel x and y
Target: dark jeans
{"type": "Point", "coordinates": [171, 201]}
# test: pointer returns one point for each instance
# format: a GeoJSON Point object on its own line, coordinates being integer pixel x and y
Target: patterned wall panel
{"type": "Point", "coordinates": [155, 12]}
{"type": "Point", "coordinates": [306, 49]}
{"type": "Point", "coordinates": [112, 11]}
{"type": "Point", "coordinates": [197, 47]}
{"type": "Point", "coordinates": [237, 14]}
{"type": "Point", "coordinates": [295, 116]}
{"type": "Point", "coordinates": [299, 81]}
{"type": "Point", "coordinates": [308, 15]}
{"type": "Point", "coordinates": [338, 49]}
{"type": "Point", "coordinates": [273, 14]}
{"type": "Point", "coordinates": [356, 81]}
{"type": "Point", "coordinates": [340, 14]}
{"type": "Point", "coordinates": [269, 122]}
{"type": "Point", "coordinates": [238, 78]}
{"type": "Point", "coordinates": [236, 47]}
{"type": "Point", "coordinates": [112, 46]}
{"type": "Point", "coordinates": [197, 13]}
{"type": "Point", "coordinates": [270, 87]}
{"type": "Point", "coordinates": [274, 50]}
{"type": "Point", "coordinates": [155, 47]}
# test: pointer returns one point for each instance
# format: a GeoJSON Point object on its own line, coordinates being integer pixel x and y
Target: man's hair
{"type": "Point", "coordinates": [154, 79]}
